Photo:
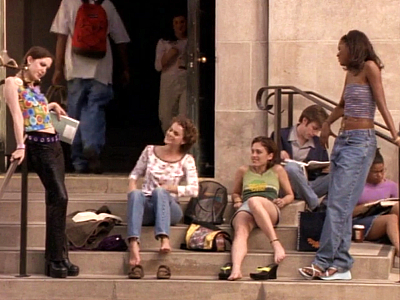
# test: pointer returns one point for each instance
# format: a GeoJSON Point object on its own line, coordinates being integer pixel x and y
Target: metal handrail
{"type": "Point", "coordinates": [310, 95]}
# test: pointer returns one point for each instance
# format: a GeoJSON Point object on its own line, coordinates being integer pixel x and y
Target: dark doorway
{"type": "Point", "coordinates": [132, 118]}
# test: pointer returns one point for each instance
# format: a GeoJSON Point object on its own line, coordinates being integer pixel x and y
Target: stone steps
{"type": "Point", "coordinates": [116, 202]}
{"type": "Point", "coordinates": [194, 288]}
{"type": "Point", "coordinates": [372, 261]}
{"type": "Point", "coordinates": [10, 236]}
{"type": "Point", "coordinates": [77, 183]}
{"type": "Point", "coordinates": [194, 274]}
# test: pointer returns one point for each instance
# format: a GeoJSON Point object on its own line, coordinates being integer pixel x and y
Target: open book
{"type": "Point", "coordinates": [379, 207]}
{"type": "Point", "coordinates": [383, 202]}
{"type": "Point", "coordinates": [311, 165]}
{"type": "Point", "coordinates": [66, 127]}
{"type": "Point", "coordinates": [92, 216]}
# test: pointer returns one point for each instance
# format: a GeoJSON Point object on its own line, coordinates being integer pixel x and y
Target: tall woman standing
{"type": "Point", "coordinates": [31, 116]}
{"type": "Point", "coordinates": [352, 154]}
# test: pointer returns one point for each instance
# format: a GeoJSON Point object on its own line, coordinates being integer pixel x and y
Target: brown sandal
{"type": "Point", "coordinates": [163, 272]}
{"type": "Point", "coordinates": [136, 272]}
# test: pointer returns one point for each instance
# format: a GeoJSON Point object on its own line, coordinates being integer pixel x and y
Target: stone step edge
{"type": "Point", "coordinates": [73, 197]}
{"type": "Point", "coordinates": [251, 252]}
{"type": "Point", "coordinates": [223, 226]}
{"type": "Point", "coordinates": [196, 279]}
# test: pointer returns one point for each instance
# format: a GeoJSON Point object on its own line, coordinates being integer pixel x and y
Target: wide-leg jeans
{"type": "Point", "coordinates": [351, 159]}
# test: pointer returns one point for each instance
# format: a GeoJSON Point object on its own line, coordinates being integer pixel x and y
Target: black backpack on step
{"type": "Point", "coordinates": [210, 204]}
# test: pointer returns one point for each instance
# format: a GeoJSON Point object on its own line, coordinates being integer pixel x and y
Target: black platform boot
{"type": "Point", "coordinates": [55, 269]}
{"type": "Point", "coordinates": [73, 270]}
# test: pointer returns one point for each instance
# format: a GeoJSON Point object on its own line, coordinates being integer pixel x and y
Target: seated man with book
{"type": "Point", "coordinates": [380, 218]}
{"type": "Point", "coordinates": [301, 143]}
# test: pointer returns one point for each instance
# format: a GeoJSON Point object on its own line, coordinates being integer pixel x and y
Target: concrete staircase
{"type": "Point", "coordinates": [194, 274]}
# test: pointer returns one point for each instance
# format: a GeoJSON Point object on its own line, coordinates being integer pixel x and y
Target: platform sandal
{"type": "Point", "coordinates": [163, 272]}
{"type": "Point", "coordinates": [265, 273]}
{"type": "Point", "coordinates": [333, 274]}
{"type": "Point", "coordinates": [225, 272]}
{"type": "Point", "coordinates": [315, 272]}
{"type": "Point", "coordinates": [136, 272]}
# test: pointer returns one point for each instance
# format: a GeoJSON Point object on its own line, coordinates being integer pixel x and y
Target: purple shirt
{"type": "Point", "coordinates": [373, 192]}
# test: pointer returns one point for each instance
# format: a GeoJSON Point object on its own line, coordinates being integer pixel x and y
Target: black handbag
{"type": "Point", "coordinates": [309, 230]}
{"type": "Point", "coordinates": [210, 204]}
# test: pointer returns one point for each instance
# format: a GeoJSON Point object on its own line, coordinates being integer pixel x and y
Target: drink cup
{"type": "Point", "coordinates": [358, 233]}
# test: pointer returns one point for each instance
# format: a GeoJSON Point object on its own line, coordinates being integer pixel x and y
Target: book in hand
{"type": "Point", "coordinates": [379, 207]}
{"type": "Point", "coordinates": [66, 127]}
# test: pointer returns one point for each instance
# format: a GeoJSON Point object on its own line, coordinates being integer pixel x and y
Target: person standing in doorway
{"type": "Point", "coordinates": [171, 62]}
{"type": "Point", "coordinates": [88, 74]}
{"type": "Point", "coordinates": [352, 153]}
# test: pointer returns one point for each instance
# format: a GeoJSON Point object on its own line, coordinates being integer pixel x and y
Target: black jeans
{"type": "Point", "coordinates": [47, 160]}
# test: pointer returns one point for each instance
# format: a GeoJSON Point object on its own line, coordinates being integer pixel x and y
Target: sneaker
{"type": "Point", "coordinates": [338, 276]}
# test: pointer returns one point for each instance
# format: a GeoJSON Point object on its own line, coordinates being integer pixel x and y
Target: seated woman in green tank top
{"type": "Point", "coordinates": [255, 197]}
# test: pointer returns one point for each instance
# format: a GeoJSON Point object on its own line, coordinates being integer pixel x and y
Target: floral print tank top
{"type": "Point", "coordinates": [34, 109]}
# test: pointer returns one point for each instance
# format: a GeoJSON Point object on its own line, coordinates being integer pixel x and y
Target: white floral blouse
{"type": "Point", "coordinates": [157, 172]}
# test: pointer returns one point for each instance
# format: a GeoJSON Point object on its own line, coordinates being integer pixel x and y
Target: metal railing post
{"type": "Point", "coordinates": [278, 117]}
{"type": "Point", "coordinates": [290, 110]}
{"type": "Point", "coordinates": [24, 218]}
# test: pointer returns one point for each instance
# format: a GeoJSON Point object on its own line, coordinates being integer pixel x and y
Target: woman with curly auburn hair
{"type": "Point", "coordinates": [352, 153]}
{"type": "Point", "coordinates": [156, 203]}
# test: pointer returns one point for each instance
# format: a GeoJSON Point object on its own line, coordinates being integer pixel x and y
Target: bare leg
{"type": "Point", "coordinates": [243, 224]}
{"type": "Point", "coordinates": [386, 224]}
{"type": "Point", "coordinates": [395, 209]}
{"type": "Point", "coordinates": [165, 245]}
{"type": "Point", "coordinates": [134, 249]}
{"type": "Point", "coordinates": [265, 215]}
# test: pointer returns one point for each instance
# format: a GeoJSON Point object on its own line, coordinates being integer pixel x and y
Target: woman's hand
{"type": "Point", "coordinates": [170, 188]}
{"type": "Point", "coordinates": [131, 185]}
{"type": "Point", "coordinates": [57, 109]}
{"type": "Point", "coordinates": [279, 202]}
{"type": "Point", "coordinates": [18, 154]}
{"type": "Point", "coordinates": [237, 205]}
{"type": "Point", "coordinates": [326, 132]}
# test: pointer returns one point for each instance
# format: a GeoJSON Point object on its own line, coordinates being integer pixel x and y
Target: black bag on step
{"type": "Point", "coordinates": [209, 206]}
{"type": "Point", "coordinates": [309, 230]}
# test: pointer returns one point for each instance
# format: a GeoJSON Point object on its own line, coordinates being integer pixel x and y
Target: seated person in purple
{"type": "Point", "coordinates": [378, 187]}
{"type": "Point", "coordinates": [301, 143]}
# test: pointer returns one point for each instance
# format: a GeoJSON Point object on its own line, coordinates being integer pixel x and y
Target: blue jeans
{"type": "Point", "coordinates": [309, 191]}
{"type": "Point", "coordinates": [159, 209]}
{"type": "Point", "coordinates": [87, 99]}
{"type": "Point", "coordinates": [351, 159]}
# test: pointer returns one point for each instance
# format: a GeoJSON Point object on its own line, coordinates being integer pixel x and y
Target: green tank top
{"type": "Point", "coordinates": [262, 185]}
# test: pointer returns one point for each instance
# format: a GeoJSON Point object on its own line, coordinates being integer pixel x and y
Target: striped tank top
{"type": "Point", "coordinates": [359, 101]}
{"type": "Point", "coordinates": [264, 185]}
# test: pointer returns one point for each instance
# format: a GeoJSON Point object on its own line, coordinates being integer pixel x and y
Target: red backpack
{"type": "Point", "coordinates": [90, 31]}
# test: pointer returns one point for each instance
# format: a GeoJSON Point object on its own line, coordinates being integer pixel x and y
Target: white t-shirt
{"type": "Point", "coordinates": [77, 66]}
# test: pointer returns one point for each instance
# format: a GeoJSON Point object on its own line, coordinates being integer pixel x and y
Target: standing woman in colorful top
{"type": "Point", "coordinates": [156, 203]}
{"type": "Point", "coordinates": [30, 113]}
{"type": "Point", "coordinates": [255, 196]}
{"type": "Point", "coordinates": [171, 62]}
{"type": "Point", "coordinates": [352, 154]}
